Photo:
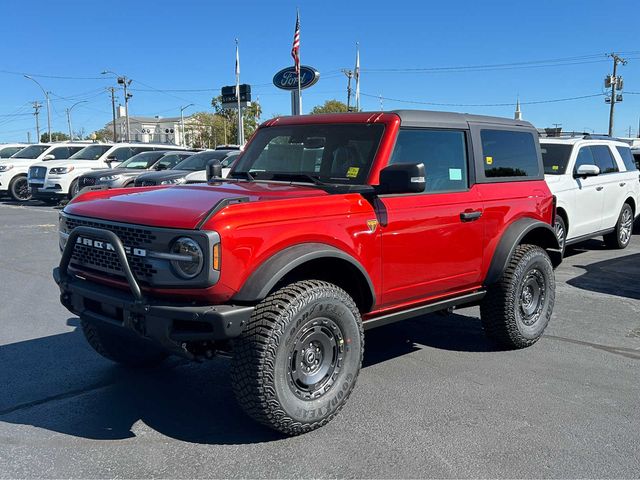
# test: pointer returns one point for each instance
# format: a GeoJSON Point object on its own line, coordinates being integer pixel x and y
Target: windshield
{"type": "Point", "coordinates": [330, 153]}
{"type": "Point", "coordinates": [92, 152]}
{"type": "Point", "coordinates": [555, 157]}
{"type": "Point", "coordinates": [199, 160]}
{"type": "Point", "coordinates": [6, 152]}
{"type": "Point", "coordinates": [141, 161]}
{"type": "Point", "coordinates": [32, 151]}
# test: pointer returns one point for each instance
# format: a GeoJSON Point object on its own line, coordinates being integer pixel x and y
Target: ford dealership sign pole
{"type": "Point", "coordinates": [287, 79]}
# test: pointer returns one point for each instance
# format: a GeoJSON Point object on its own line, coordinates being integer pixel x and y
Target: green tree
{"type": "Point", "coordinates": [55, 137]}
{"type": "Point", "coordinates": [207, 130]}
{"type": "Point", "coordinates": [250, 116]}
{"type": "Point", "coordinates": [105, 134]}
{"type": "Point", "coordinates": [330, 106]}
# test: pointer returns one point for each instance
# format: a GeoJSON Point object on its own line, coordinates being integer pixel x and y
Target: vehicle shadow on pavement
{"type": "Point", "coordinates": [60, 384]}
{"type": "Point", "coordinates": [616, 276]}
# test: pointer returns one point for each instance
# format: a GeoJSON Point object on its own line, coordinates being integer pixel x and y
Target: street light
{"type": "Point", "coordinates": [182, 109]}
{"type": "Point", "coordinates": [69, 117]}
{"type": "Point", "coordinates": [125, 82]}
{"type": "Point", "coordinates": [46, 95]}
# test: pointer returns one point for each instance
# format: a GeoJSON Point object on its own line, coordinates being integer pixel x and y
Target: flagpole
{"type": "Point", "coordinates": [357, 75]}
{"type": "Point", "coordinates": [299, 86]}
{"type": "Point", "coordinates": [240, 123]}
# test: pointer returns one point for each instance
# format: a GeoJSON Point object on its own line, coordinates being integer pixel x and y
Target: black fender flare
{"type": "Point", "coordinates": [274, 269]}
{"type": "Point", "coordinates": [534, 231]}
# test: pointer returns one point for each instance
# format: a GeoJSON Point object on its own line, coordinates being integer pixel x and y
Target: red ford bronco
{"type": "Point", "coordinates": [327, 225]}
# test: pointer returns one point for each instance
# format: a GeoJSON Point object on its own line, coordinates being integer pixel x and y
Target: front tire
{"type": "Point", "coordinates": [517, 309]}
{"type": "Point", "coordinates": [299, 356]}
{"type": "Point", "coordinates": [560, 228]}
{"type": "Point", "coordinates": [621, 236]}
{"type": "Point", "coordinates": [74, 188]}
{"type": "Point", "coordinates": [19, 189]}
{"type": "Point", "coordinates": [123, 349]}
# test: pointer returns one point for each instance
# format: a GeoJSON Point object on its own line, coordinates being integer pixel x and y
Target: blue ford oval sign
{"type": "Point", "coordinates": [287, 79]}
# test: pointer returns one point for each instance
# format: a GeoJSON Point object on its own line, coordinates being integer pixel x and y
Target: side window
{"type": "Point", "coordinates": [507, 153]}
{"type": "Point", "coordinates": [627, 158]}
{"type": "Point", "coordinates": [122, 154]}
{"type": "Point", "coordinates": [73, 150]}
{"type": "Point", "coordinates": [585, 157]}
{"type": "Point", "coordinates": [604, 159]}
{"type": "Point", "coordinates": [61, 153]}
{"type": "Point", "coordinates": [443, 152]}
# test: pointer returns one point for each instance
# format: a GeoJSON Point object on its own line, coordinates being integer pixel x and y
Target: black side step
{"type": "Point", "coordinates": [423, 309]}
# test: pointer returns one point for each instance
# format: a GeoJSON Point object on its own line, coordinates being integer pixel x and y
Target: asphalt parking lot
{"type": "Point", "coordinates": [434, 398]}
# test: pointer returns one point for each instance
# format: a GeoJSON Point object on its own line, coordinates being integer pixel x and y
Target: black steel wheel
{"type": "Point", "coordinates": [299, 356]}
{"type": "Point", "coordinates": [19, 189]}
{"type": "Point", "coordinates": [621, 236]}
{"type": "Point", "coordinates": [517, 309]}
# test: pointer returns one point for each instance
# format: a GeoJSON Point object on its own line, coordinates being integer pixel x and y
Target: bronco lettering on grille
{"type": "Point", "coordinates": [100, 245]}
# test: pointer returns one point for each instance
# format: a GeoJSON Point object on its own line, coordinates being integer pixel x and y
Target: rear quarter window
{"type": "Point", "coordinates": [509, 154]}
{"type": "Point", "coordinates": [627, 158]}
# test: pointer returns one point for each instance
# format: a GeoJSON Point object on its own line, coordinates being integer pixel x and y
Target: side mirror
{"type": "Point", "coordinates": [587, 171]}
{"type": "Point", "coordinates": [402, 178]}
{"type": "Point", "coordinates": [48, 157]}
{"type": "Point", "coordinates": [214, 169]}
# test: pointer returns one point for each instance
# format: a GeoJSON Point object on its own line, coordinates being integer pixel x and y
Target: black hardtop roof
{"type": "Point", "coordinates": [428, 118]}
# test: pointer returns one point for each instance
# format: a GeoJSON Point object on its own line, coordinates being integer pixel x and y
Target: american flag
{"type": "Point", "coordinates": [295, 50]}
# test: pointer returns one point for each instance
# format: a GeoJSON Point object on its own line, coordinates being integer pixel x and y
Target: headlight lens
{"type": "Point", "coordinates": [192, 265]}
{"type": "Point", "coordinates": [173, 181]}
{"type": "Point", "coordinates": [60, 170]}
{"type": "Point", "coordinates": [109, 178]}
{"type": "Point", "coordinates": [6, 167]}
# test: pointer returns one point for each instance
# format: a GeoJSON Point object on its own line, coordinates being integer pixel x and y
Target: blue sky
{"type": "Point", "coordinates": [183, 52]}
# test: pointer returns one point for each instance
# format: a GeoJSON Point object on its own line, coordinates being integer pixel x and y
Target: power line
{"type": "Point", "coordinates": [506, 104]}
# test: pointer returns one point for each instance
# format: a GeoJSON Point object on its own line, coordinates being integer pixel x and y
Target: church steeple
{"type": "Point", "coordinates": [517, 114]}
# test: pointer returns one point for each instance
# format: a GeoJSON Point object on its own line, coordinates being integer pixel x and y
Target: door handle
{"type": "Point", "coordinates": [622, 184]}
{"type": "Point", "coordinates": [598, 188]}
{"type": "Point", "coordinates": [470, 215]}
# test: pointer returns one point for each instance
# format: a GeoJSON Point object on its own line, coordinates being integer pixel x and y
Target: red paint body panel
{"type": "Point", "coordinates": [424, 252]}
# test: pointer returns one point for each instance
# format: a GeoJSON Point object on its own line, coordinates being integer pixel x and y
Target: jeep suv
{"type": "Point", "coordinates": [326, 226]}
{"type": "Point", "coordinates": [597, 186]}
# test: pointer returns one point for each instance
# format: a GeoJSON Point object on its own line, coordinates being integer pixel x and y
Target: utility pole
{"type": "Point", "coordinates": [615, 82]}
{"type": "Point", "coordinates": [125, 82]}
{"type": "Point", "coordinates": [349, 74]}
{"type": "Point", "coordinates": [46, 95]}
{"type": "Point", "coordinates": [37, 106]}
{"type": "Point", "coordinates": [113, 111]}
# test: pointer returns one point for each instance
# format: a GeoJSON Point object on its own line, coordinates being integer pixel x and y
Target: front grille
{"type": "Point", "coordinates": [106, 261]}
{"type": "Point", "coordinates": [87, 181]}
{"type": "Point", "coordinates": [37, 172]}
{"type": "Point", "coordinates": [148, 183]}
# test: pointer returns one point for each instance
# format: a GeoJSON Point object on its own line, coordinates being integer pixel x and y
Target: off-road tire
{"type": "Point", "coordinates": [16, 189]}
{"type": "Point", "coordinates": [560, 228]}
{"type": "Point", "coordinates": [74, 189]}
{"type": "Point", "coordinates": [504, 309]}
{"type": "Point", "coordinates": [262, 370]}
{"type": "Point", "coordinates": [621, 235]}
{"type": "Point", "coordinates": [123, 349]}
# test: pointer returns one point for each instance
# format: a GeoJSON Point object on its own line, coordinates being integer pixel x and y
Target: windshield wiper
{"type": "Point", "coordinates": [247, 175]}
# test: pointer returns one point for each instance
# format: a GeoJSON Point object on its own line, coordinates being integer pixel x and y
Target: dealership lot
{"type": "Point", "coordinates": [433, 399]}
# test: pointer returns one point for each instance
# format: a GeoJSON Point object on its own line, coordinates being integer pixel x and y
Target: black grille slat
{"type": "Point", "coordinates": [87, 181]}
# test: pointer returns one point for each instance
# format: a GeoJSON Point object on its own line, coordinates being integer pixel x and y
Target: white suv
{"type": "Point", "coordinates": [13, 170]}
{"type": "Point", "coordinates": [55, 180]}
{"type": "Point", "coordinates": [597, 187]}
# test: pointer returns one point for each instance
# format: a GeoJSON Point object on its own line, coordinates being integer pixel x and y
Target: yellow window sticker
{"type": "Point", "coordinates": [489, 160]}
{"type": "Point", "coordinates": [555, 167]}
{"type": "Point", "coordinates": [353, 172]}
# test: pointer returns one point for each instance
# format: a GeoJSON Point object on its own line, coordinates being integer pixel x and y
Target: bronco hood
{"type": "Point", "coordinates": [183, 206]}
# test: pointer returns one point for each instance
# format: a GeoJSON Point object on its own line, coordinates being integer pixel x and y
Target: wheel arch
{"type": "Point", "coordinates": [632, 204]}
{"type": "Point", "coordinates": [525, 230]}
{"type": "Point", "coordinates": [310, 261]}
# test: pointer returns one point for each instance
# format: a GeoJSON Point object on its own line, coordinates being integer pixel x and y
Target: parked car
{"type": "Point", "coordinates": [636, 156]}
{"type": "Point", "coordinates": [124, 175]}
{"type": "Point", "coordinates": [285, 264]}
{"type": "Point", "coordinates": [596, 183]}
{"type": "Point", "coordinates": [14, 170]}
{"type": "Point", "coordinates": [8, 149]}
{"type": "Point", "coordinates": [54, 181]}
{"type": "Point", "coordinates": [190, 170]}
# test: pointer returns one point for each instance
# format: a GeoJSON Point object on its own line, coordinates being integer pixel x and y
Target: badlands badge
{"type": "Point", "coordinates": [372, 224]}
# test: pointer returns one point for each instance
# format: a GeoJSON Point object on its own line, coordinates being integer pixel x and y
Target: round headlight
{"type": "Point", "coordinates": [193, 261]}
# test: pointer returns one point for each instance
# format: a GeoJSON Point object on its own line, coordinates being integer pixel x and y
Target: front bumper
{"type": "Point", "coordinates": [170, 325]}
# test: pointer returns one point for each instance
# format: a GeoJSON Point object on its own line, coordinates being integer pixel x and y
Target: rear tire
{"type": "Point", "coordinates": [621, 236]}
{"type": "Point", "coordinates": [120, 348]}
{"type": "Point", "coordinates": [19, 189]}
{"type": "Point", "coordinates": [560, 228]}
{"type": "Point", "coordinates": [517, 309]}
{"type": "Point", "coordinates": [299, 356]}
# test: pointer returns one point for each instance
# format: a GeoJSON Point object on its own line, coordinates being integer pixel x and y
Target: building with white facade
{"type": "Point", "coordinates": [148, 129]}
